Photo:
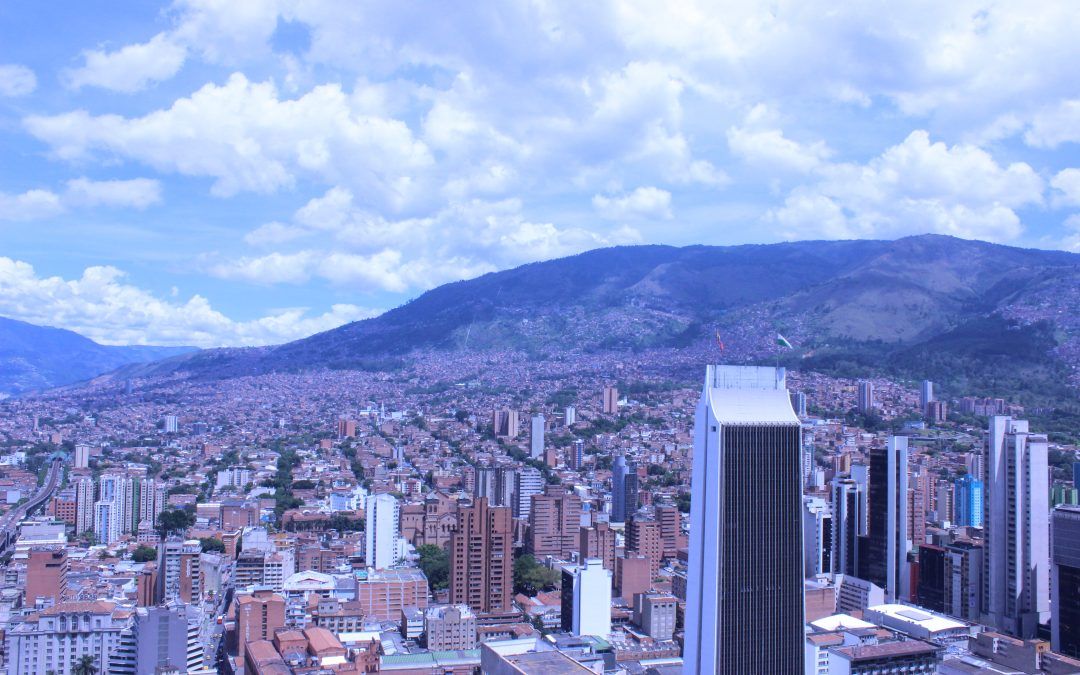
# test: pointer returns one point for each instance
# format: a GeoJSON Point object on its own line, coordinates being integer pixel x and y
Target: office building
{"type": "Point", "coordinates": [926, 396]}
{"type": "Point", "coordinates": [633, 575]}
{"type": "Point", "coordinates": [865, 400]}
{"type": "Point", "coordinates": [171, 424]}
{"type": "Point", "coordinates": [586, 599]}
{"type": "Point", "coordinates": [610, 400]}
{"type": "Point", "coordinates": [167, 637]}
{"type": "Point", "coordinates": [480, 558]}
{"type": "Point", "coordinates": [798, 403]}
{"type": "Point", "coordinates": [505, 485]}
{"type": "Point", "coordinates": [963, 580]}
{"type": "Point", "coordinates": [848, 519]}
{"type": "Point", "coordinates": [448, 627]}
{"type": "Point", "coordinates": [968, 501]}
{"type": "Point", "coordinates": [46, 576]}
{"type": "Point", "coordinates": [383, 543]}
{"type": "Point", "coordinates": [745, 567]}
{"type": "Point", "coordinates": [528, 482]}
{"type": "Point", "coordinates": [106, 521]}
{"type": "Point", "coordinates": [1065, 623]}
{"type": "Point", "coordinates": [484, 484]}
{"type": "Point", "coordinates": [624, 489]}
{"type": "Point", "coordinates": [654, 613]}
{"type": "Point", "coordinates": [911, 657]}
{"type": "Point", "coordinates": [82, 456]}
{"type": "Point", "coordinates": [570, 416]}
{"type": "Point", "coordinates": [576, 458]}
{"type": "Point", "coordinates": [643, 538]}
{"type": "Point", "coordinates": [179, 575]}
{"type": "Point", "coordinates": [382, 595]}
{"type": "Point", "coordinates": [817, 537]}
{"type": "Point", "coordinates": [1016, 574]}
{"type": "Point", "coordinates": [536, 437]}
{"type": "Point", "coordinates": [884, 558]}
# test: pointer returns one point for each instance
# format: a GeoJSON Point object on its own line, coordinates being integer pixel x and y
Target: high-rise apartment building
{"type": "Point", "coordinates": [167, 637]}
{"type": "Point", "coordinates": [527, 482]}
{"type": "Point", "coordinates": [480, 558]}
{"type": "Point", "coordinates": [258, 615]}
{"type": "Point", "coordinates": [1065, 623]}
{"type": "Point", "coordinates": [586, 598]}
{"type": "Point", "coordinates": [926, 396]}
{"type": "Point", "coordinates": [968, 501]}
{"type": "Point", "coordinates": [504, 423]}
{"type": "Point", "coordinates": [570, 415]}
{"type": "Point", "coordinates": [610, 401]}
{"type": "Point", "coordinates": [46, 576]}
{"type": "Point", "coordinates": [179, 575]}
{"type": "Point", "coordinates": [865, 400]}
{"type": "Point", "coordinates": [598, 541]}
{"type": "Point", "coordinates": [536, 437]}
{"type": "Point", "coordinates": [555, 523]}
{"type": "Point", "coordinates": [745, 568]}
{"type": "Point", "coordinates": [1016, 574]}
{"type": "Point", "coordinates": [383, 544]}
{"type": "Point", "coordinates": [643, 538]}
{"type": "Point", "coordinates": [85, 498]}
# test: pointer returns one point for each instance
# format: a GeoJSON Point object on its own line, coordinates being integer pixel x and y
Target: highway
{"type": "Point", "coordinates": [10, 521]}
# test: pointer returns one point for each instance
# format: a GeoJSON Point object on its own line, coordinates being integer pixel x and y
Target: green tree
{"type": "Point", "coordinates": [144, 554]}
{"type": "Point", "coordinates": [211, 544]}
{"type": "Point", "coordinates": [85, 665]}
{"type": "Point", "coordinates": [175, 520]}
{"type": "Point", "coordinates": [530, 577]}
{"type": "Point", "coordinates": [435, 563]}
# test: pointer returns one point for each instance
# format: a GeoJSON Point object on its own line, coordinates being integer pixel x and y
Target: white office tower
{"type": "Point", "coordinates": [592, 599]}
{"type": "Point", "coordinates": [536, 438]}
{"type": "Point", "coordinates": [817, 537]}
{"type": "Point", "coordinates": [172, 424]}
{"type": "Point", "coordinates": [745, 575]}
{"type": "Point", "coordinates": [570, 416]}
{"type": "Point", "coordinates": [381, 532]}
{"type": "Point", "coordinates": [1016, 574]}
{"type": "Point", "coordinates": [527, 482]}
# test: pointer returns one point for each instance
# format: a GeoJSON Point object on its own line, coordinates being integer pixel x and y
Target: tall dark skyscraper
{"type": "Point", "coordinates": [1065, 606]}
{"type": "Point", "coordinates": [624, 489]}
{"type": "Point", "coordinates": [745, 585]}
{"type": "Point", "coordinates": [883, 558]}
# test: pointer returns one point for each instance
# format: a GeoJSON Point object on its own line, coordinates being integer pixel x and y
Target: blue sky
{"type": "Point", "coordinates": [232, 172]}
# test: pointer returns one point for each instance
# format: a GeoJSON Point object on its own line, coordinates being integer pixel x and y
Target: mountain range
{"type": "Point", "coordinates": [968, 312]}
{"type": "Point", "coordinates": [38, 357]}
{"type": "Point", "coordinates": [980, 318]}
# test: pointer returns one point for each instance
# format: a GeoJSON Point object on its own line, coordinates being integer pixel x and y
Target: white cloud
{"type": "Point", "coordinates": [1056, 125]}
{"type": "Point", "coordinates": [131, 68]}
{"type": "Point", "coordinates": [1067, 183]}
{"type": "Point", "coordinates": [759, 143]}
{"type": "Point", "coordinates": [39, 204]}
{"type": "Point", "coordinates": [914, 187]}
{"type": "Point", "coordinates": [250, 139]}
{"type": "Point", "coordinates": [101, 306]}
{"type": "Point", "coordinates": [137, 193]}
{"type": "Point", "coordinates": [642, 203]}
{"type": "Point", "coordinates": [16, 80]}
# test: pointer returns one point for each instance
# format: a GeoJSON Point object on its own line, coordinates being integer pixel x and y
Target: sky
{"type": "Point", "coordinates": [241, 172]}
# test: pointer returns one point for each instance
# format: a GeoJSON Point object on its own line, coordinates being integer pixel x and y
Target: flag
{"type": "Point", "coordinates": [719, 342]}
{"type": "Point", "coordinates": [783, 341]}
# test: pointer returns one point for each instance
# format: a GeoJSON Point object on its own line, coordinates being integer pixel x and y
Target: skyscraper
{"type": "Point", "coordinates": [480, 560]}
{"type": "Point", "coordinates": [847, 526]}
{"type": "Point", "coordinates": [610, 400]}
{"type": "Point", "coordinates": [817, 537]}
{"type": "Point", "coordinates": [381, 531]}
{"type": "Point", "coordinates": [968, 501]}
{"type": "Point", "coordinates": [1065, 626]}
{"type": "Point", "coordinates": [536, 437]}
{"type": "Point", "coordinates": [884, 560]}
{"type": "Point", "coordinates": [527, 482]}
{"type": "Point", "coordinates": [1016, 575]}
{"type": "Point", "coordinates": [623, 489]}
{"type": "Point", "coordinates": [745, 567]}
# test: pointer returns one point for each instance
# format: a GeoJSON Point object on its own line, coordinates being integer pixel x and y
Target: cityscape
{"type": "Point", "coordinates": [539, 337]}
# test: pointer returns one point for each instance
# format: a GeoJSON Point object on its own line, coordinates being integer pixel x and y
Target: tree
{"type": "Point", "coordinates": [435, 563]}
{"type": "Point", "coordinates": [211, 544]}
{"type": "Point", "coordinates": [530, 577]}
{"type": "Point", "coordinates": [304, 484]}
{"type": "Point", "coordinates": [175, 520]}
{"type": "Point", "coordinates": [144, 554]}
{"type": "Point", "coordinates": [85, 665]}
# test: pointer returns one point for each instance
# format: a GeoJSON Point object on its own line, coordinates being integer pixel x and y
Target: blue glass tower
{"type": "Point", "coordinates": [969, 501]}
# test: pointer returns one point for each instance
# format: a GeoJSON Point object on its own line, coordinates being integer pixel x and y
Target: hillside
{"type": "Point", "coordinates": [38, 357]}
{"type": "Point", "coordinates": [855, 305]}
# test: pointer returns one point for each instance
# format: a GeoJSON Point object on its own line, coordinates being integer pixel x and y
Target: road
{"type": "Point", "coordinates": [10, 521]}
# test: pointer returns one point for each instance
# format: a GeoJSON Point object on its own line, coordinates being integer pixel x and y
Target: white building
{"type": "Point", "coordinates": [1016, 522]}
{"type": "Point", "coordinates": [381, 537]}
{"type": "Point", "coordinates": [536, 438]}
{"type": "Point", "coordinates": [56, 638]}
{"type": "Point", "coordinates": [234, 476]}
{"type": "Point", "coordinates": [897, 568]}
{"type": "Point", "coordinates": [106, 521]}
{"type": "Point", "coordinates": [591, 584]}
{"type": "Point", "coordinates": [172, 424]}
{"type": "Point", "coordinates": [570, 415]}
{"type": "Point", "coordinates": [817, 532]}
{"type": "Point", "coordinates": [527, 482]}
